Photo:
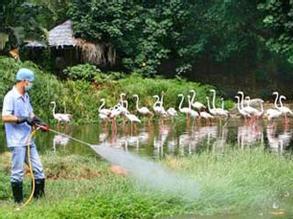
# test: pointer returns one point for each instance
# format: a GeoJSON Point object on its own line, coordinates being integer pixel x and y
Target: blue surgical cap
{"type": "Point", "coordinates": [25, 74]}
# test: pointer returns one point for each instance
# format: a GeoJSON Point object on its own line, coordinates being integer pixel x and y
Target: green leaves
{"type": "Point", "coordinates": [278, 19]}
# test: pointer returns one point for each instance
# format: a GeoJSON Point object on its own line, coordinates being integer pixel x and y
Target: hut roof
{"type": "Point", "coordinates": [62, 35]}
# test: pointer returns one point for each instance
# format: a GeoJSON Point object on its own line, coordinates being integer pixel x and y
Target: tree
{"type": "Point", "coordinates": [278, 19]}
{"type": "Point", "coordinates": [148, 33]}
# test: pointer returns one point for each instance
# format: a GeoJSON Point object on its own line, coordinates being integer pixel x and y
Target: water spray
{"type": "Point", "coordinates": [146, 172]}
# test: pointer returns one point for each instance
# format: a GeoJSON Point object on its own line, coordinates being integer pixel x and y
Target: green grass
{"type": "Point", "coordinates": [237, 181]}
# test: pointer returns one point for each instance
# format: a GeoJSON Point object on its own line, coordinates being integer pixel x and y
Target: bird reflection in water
{"type": "Point", "coordinates": [60, 140]}
{"type": "Point", "coordinates": [249, 134]}
{"type": "Point", "coordinates": [278, 141]}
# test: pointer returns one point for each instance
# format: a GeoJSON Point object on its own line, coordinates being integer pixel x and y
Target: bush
{"type": "Point", "coordinates": [82, 72]}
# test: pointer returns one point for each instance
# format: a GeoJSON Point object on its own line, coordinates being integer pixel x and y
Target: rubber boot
{"type": "Point", "coordinates": [39, 188]}
{"type": "Point", "coordinates": [17, 191]}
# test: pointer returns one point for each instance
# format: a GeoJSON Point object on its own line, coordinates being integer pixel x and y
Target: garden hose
{"type": "Point", "coordinates": [30, 166]}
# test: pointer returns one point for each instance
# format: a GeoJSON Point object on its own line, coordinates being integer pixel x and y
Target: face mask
{"type": "Point", "coordinates": [28, 87]}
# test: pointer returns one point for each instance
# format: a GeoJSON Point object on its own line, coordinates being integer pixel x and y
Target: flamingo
{"type": "Point", "coordinates": [285, 110]}
{"type": "Point", "coordinates": [103, 117]}
{"type": "Point", "coordinates": [158, 109]}
{"type": "Point", "coordinates": [121, 103]}
{"type": "Point", "coordinates": [184, 110]}
{"type": "Point", "coordinates": [205, 115]}
{"type": "Point", "coordinates": [171, 112]}
{"type": "Point", "coordinates": [195, 104]}
{"type": "Point", "coordinates": [273, 113]}
{"type": "Point", "coordinates": [103, 110]}
{"type": "Point", "coordinates": [61, 140]}
{"type": "Point", "coordinates": [217, 111]}
{"type": "Point", "coordinates": [60, 117]}
{"type": "Point", "coordinates": [212, 111]}
{"type": "Point", "coordinates": [250, 110]}
{"type": "Point", "coordinates": [142, 110]}
{"type": "Point", "coordinates": [222, 111]}
{"type": "Point", "coordinates": [133, 119]}
{"type": "Point", "coordinates": [241, 111]}
{"type": "Point", "coordinates": [163, 111]}
{"type": "Point", "coordinates": [192, 112]}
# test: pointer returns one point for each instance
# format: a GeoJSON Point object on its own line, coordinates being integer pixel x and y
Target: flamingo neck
{"type": "Point", "coordinates": [54, 106]}
{"type": "Point", "coordinates": [189, 103]}
{"type": "Point", "coordinates": [208, 102]}
{"type": "Point", "coordinates": [261, 108]}
{"type": "Point", "coordinates": [157, 101]}
{"type": "Point", "coordinates": [193, 96]}
{"type": "Point", "coordinates": [161, 101]}
{"type": "Point", "coordinates": [102, 105]}
{"type": "Point", "coordinates": [180, 105]}
{"type": "Point", "coordinates": [242, 100]}
{"type": "Point", "coordinates": [223, 105]}
{"type": "Point", "coordinates": [137, 98]}
{"type": "Point", "coordinates": [280, 101]}
{"type": "Point", "coordinates": [276, 99]}
{"type": "Point", "coordinates": [214, 99]}
{"type": "Point", "coordinates": [238, 104]}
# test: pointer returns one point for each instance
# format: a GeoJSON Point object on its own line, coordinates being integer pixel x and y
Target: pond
{"type": "Point", "coordinates": [158, 139]}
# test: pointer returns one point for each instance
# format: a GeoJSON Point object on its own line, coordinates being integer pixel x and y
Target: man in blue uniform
{"type": "Point", "coordinates": [19, 119]}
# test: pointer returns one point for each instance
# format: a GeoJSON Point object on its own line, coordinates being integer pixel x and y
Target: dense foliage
{"type": "Point", "coordinates": [148, 34]}
{"type": "Point", "coordinates": [279, 20]}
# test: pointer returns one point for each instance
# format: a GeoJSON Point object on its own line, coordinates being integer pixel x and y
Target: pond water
{"type": "Point", "coordinates": [158, 139]}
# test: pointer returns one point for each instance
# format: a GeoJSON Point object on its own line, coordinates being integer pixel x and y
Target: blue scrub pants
{"type": "Point", "coordinates": [19, 157]}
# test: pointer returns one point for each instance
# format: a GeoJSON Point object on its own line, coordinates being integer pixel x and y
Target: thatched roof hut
{"type": "Point", "coordinates": [68, 50]}
{"type": "Point", "coordinates": [62, 35]}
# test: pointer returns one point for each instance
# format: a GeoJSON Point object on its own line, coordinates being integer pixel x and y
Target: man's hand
{"type": "Point", "coordinates": [40, 124]}
{"type": "Point", "coordinates": [33, 121]}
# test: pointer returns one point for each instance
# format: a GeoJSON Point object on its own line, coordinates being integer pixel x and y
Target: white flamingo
{"type": "Point", "coordinates": [158, 108]}
{"type": "Point", "coordinates": [163, 111]}
{"type": "Point", "coordinates": [250, 110]}
{"type": "Point", "coordinates": [222, 111]}
{"type": "Point", "coordinates": [171, 112]}
{"type": "Point", "coordinates": [205, 115]}
{"type": "Point", "coordinates": [211, 110]}
{"type": "Point", "coordinates": [240, 110]}
{"type": "Point", "coordinates": [184, 110]}
{"type": "Point", "coordinates": [192, 112]}
{"type": "Point", "coordinates": [285, 110]}
{"type": "Point", "coordinates": [60, 117]}
{"type": "Point", "coordinates": [104, 110]}
{"type": "Point", "coordinates": [195, 104]}
{"type": "Point", "coordinates": [273, 113]}
{"type": "Point", "coordinates": [61, 140]}
{"type": "Point", "coordinates": [143, 110]}
{"type": "Point", "coordinates": [217, 111]}
{"type": "Point", "coordinates": [121, 103]}
{"type": "Point", "coordinates": [133, 119]}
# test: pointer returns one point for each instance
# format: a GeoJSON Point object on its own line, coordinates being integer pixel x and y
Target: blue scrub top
{"type": "Point", "coordinates": [14, 103]}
